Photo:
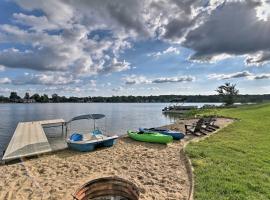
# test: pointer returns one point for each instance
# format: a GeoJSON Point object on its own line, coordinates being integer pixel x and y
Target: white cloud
{"type": "Point", "coordinates": [258, 59]}
{"type": "Point", "coordinates": [70, 49]}
{"type": "Point", "coordinates": [36, 23]}
{"type": "Point", "coordinates": [116, 66]}
{"type": "Point", "coordinates": [69, 89]}
{"type": "Point", "coordinates": [218, 32]}
{"type": "Point", "coordinates": [243, 74]}
{"type": "Point", "coordinates": [2, 68]}
{"type": "Point", "coordinates": [169, 50]}
{"type": "Point", "coordinates": [261, 76]}
{"type": "Point", "coordinates": [93, 83]}
{"type": "Point", "coordinates": [153, 88]}
{"type": "Point", "coordinates": [118, 89]}
{"type": "Point", "coordinates": [210, 59]}
{"type": "Point", "coordinates": [108, 84]}
{"type": "Point", "coordinates": [69, 46]}
{"type": "Point", "coordinates": [45, 79]}
{"type": "Point", "coordinates": [263, 11]}
{"type": "Point", "coordinates": [5, 90]}
{"type": "Point", "coordinates": [134, 79]}
{"type": "Point", "coordinates": [57, 12]}
{"type": "Point", "coordinates": [64, 38]}
{"type": "Point", "coordinates": [173, 79]}
{"type": "Point", "coordinates": [229, 76]}
{"type": "Point", "coordinates": [5, 80]}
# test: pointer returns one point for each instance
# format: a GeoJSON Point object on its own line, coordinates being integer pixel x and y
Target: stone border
{"type": "Point", "coordinates": [189, 169]}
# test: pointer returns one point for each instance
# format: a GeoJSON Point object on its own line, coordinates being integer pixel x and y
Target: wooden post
{"type": "Point", "coordinates": [66, 130]}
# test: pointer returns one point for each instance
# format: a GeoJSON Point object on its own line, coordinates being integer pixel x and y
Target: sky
{"type": "Point", "coordinates": [134, 47]}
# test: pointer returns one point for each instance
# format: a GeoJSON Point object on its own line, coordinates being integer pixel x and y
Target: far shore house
{"type": "Point", "coordinates": [29, 101]}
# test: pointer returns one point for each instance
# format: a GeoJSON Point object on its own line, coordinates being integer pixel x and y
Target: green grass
{"type": "Point", "coordinates": [235, 162]}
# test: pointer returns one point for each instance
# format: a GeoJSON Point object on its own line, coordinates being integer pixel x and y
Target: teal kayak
{"type": "Point", "coordinates": [150, 137]}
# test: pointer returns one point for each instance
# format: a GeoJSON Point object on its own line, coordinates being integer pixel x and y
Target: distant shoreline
{"type": "Point", "coordinates": [55, 98]}
{"type": "Point", "coordinates": [100, 102]}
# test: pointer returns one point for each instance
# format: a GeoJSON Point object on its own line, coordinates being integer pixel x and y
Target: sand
{"type": "Point", "coordinates": [159, 171]}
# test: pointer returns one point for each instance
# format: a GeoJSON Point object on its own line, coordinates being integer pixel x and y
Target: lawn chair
{"type": "Point", "coordinates": [196, 128]}
{"type": "Point", "coordinates": [210, 123]}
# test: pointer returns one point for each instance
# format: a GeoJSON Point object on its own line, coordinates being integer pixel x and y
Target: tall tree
{"type": "Point", "coordinates": [228, 92]}
{"type": "Point", "coordinates": [44, 98]}
{"type": "Point", "coordinates": [14, 97]}
{"type": "Point", "coordinates": [36, 97]}
{"type": "Point", "coordinates": [55, 98]}
{"type": "Point", "coordinates": [27, 96]}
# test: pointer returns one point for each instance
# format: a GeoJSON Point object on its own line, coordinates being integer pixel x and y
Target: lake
{"type": "Point", "coordinates": [119, 116]}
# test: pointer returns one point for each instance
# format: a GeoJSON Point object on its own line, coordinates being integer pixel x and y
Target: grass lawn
{"type": "Point", "coordinates": [235, 162]}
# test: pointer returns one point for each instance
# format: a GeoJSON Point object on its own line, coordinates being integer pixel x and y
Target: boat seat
{"type": "Point", "coordinates": [97, 132]}
{"type": "Point", "coordinates": [99, 137]}
{"type": "Point", "coordinates": [88, 137]}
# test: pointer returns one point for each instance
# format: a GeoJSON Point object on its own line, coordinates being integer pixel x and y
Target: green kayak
{"type": "Point", "coordinates": [150, 137]}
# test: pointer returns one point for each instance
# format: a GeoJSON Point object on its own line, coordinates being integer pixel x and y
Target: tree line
{"type": "Point", "coordinates": [55, 98]}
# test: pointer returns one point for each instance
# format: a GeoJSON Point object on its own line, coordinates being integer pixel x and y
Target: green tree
{"type": "Point", "coordinates": [228, 92]}
{"type": "Point", "coordinates": [14, 97]}
{"type": "Point", "coordinates": [4, 99]}
{"type": "Point", "coordinates": [27, 96]}
{"type": "Point", "coordinates": [44, 98]}
{"type": "Point", "coordinates": [36, 97]}
{"type": "Point", "coordinates": [55, 98]}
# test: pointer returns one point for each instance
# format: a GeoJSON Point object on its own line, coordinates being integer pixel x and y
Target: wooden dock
{"type": "Point", "coordinates": [30, 139]}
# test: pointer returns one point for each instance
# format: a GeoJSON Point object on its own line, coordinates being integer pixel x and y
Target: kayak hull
{"type": "Point", "coordinates": [150, 137]}
{"type": "Point", "coordinates": [176, 135]}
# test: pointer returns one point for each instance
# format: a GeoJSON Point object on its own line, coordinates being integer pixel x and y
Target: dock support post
{"type": "Point", "coordinates": [66, 130]}
{"type": "Point", "coordinates": [62, 130]}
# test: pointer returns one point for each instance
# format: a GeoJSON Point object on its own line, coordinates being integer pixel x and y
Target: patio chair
{"type": "Point", "coordinates": [210, 122]}
{"type": "Point", "coordinates": [196, 128]}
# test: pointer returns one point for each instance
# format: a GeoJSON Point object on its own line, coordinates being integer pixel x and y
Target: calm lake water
{"type": "Point", "coordinates": [119, 116]}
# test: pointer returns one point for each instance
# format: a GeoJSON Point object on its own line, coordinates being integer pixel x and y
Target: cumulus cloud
{"type": "Point", "coordinates": [232, 29]}
{"type": "Point", "coordinates": [86, 38]}
{"type": "Point", "coordinates": [2, 68]}
{"type": "Point", "coordinates": [35, 23]}
{"type": "Point", "coordinates": [229, 76]}
{"type": "Point", "coordinates": [117, 66]}
{"type": "Point", "coordinates": [93, 83]}
{"type": "Point", "coordinates": [45, 79]}
{"type": "Point", "coordinates": [134, 79]}
{"type": "Point", "coordinates": [169, 50]}
{"type": "Point", "coordinates": [5, 80]}
{"type": "Point", "coordinates": [5, 90]}
{"type": "Point", "coordinates": [173, 79]}
{"type": "Point", "coordinates": [59, 40]}
{"type": "Point", "coordinates": [261, 76]}
{"type": "Point", "coordinates": [108, 84]}
{"type": "Point", "coordinates": [118, 89]}
{"type": "Point", "coordinates": [258, 59]}
{"type": "Point", "coordinates": [78, 91]}
{"type": "Point", "coordinates": [243, 74]}
{"type": "Point", "coordinates": [153, 88]}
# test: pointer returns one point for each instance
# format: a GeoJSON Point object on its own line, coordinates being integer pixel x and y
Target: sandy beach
{"type": "Point", "coordinates": [158, 170]}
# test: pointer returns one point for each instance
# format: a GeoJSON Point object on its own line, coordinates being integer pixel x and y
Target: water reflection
{"type": "Point", "coordinates": [172, 116]}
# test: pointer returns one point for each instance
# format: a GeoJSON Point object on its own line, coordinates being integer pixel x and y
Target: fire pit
{"type": "Point", "coordinates": [107, 188]}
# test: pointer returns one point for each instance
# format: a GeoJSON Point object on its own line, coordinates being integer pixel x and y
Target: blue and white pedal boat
{"type": "Point", "coordinates": [91, 144]}
{"type": "Point", "coordinates": [89, 141]}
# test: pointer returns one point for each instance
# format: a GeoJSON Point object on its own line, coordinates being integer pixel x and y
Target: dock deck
{"type": "Point", "coordinates": [30, 139]}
